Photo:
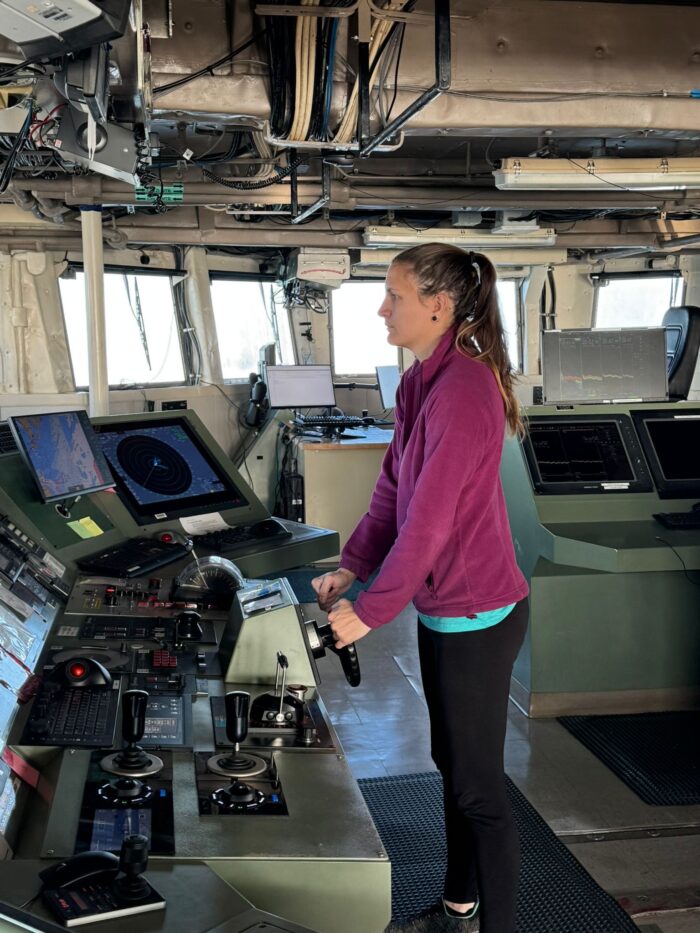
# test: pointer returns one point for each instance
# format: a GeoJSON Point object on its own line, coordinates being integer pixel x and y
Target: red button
{"type": "Point", "coordinates": [77, 670]}
{"type": "Point", "coordinates": [166, 538]}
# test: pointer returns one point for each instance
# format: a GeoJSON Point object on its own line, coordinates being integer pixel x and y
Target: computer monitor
{"type": "Point", "coordinates": [580, 454]}
{"type": "Point", "coordinates": [163, 470]}
{"type": "Point", "coordinates": [62, 453]}
{"type": "Point", "coordinates": [388, 378]}
{"type": "Point", "coordinates": [626, 364]}
{"type": "Point", "coordinates": [300, 386]}
{"type": "Point", "coordinates": [671, 442]}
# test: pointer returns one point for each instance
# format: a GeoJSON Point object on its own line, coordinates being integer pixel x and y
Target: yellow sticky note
{"type": "Point", "coordinates": [86, 527]}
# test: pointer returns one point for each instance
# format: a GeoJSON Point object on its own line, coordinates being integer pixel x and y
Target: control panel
{"type": "Point", "coordinates": [142, 598]}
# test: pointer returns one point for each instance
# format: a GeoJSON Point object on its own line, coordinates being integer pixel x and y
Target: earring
{"type": "Point", "coordinates": [434, 317]}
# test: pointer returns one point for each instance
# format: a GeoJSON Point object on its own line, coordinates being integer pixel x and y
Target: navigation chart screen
{"type": "Point", "coordinates": [163, 470]}
{"type": "Point", "coordinates": [62, 453]}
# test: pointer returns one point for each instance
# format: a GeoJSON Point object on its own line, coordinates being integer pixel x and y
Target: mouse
{"type": "Point", "coordinates": [268, 527]}
{"type": "Point", "coordinates": [79, 868]}
{"type": "Point", "coordinates": [82, 672]}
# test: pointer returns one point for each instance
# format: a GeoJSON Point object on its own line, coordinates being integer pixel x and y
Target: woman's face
{"type": "Point", "coordinates": [409, 317]}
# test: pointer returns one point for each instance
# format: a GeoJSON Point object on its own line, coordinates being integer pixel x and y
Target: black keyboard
{"type": "Point", "coordinates": [133, 558]}
{"type": "Point", "coordinates": [230, 540]}
{"type": "Point", "coordinates": [679, 520]}
{"type": "Point", "coordinates": [329, 421]}
{"type": "Point", "coordinates": [81, 716]}
{"type": "Point", "coordinates": [7, 441]}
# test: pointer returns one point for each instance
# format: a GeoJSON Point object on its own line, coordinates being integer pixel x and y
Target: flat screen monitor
{"type": "Point", "coordinates": [163, 470]}
{"type": "Point", "coordinates": [577, 454]}
{"type": "Point", "coordinates": [300, 387]}
{"type": "Point", "coordinates": [388, 378]}
{"type": "Point", "coordinates": [627, 364]}
{"type": "Point", "coordinates": [671, 442]}
{"type": "Point", "coordinates": [62, 453]}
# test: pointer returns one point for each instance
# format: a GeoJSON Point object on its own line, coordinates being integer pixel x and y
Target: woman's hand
{"type": "Point", "coordinates": [330, 586]}
{"type": "Point", "coordinates": [347, 626]}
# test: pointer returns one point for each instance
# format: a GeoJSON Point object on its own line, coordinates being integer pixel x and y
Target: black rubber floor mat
{"type": "Point", "coordinates": [656, 754]}
{"type": "Point", "coordinates": [557, 895]}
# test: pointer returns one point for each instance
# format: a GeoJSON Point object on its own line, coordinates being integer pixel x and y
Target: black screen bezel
{"type": "Point", "coordinates": [93, 444]}
{"type": "Point", "coordinates": [641, 481]}
{"type": "Point", "coordinates": [190, 505]}
{"type": "Point", "coordinates": [666, 488]}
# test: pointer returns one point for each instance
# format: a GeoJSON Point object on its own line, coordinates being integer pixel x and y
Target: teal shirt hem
{"type": "Point", "coordinates": [447, 624]}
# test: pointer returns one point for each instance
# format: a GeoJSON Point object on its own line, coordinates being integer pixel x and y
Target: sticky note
{"type": "Point", "coordinates": [86, 527]}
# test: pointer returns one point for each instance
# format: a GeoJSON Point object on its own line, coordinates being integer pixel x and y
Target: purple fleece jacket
{"type": "Point", "coordinates": [437, 518]}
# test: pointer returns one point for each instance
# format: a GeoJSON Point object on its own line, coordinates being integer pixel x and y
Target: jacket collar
{"type": "Point", "coordinates": [429, 368]}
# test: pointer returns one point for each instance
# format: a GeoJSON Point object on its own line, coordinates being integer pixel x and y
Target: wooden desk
{"type": "Point", "coordinates": [339, 476]}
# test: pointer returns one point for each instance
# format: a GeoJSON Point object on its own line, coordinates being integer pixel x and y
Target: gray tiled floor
{"type": "Point", "coordinates": [384, 730]}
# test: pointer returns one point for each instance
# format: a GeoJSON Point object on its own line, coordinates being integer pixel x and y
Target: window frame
{"type": "Point", "coordinates": [599, 278]}
{"type": "Point", "coordinates": [127, 270]}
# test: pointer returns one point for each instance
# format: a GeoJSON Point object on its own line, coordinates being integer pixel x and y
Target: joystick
{"type": "Point", "coordinates": [189, 626]}
{"type": "Point", "coordinates": [133, 860]}
{"type": "Point", "coordinates": [237, 703]}
{"type": "Point", "coordinates": [132, 761]}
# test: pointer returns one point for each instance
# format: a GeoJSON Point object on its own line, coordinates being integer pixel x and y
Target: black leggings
{"type": "Point", "coordinates": [466, 679]}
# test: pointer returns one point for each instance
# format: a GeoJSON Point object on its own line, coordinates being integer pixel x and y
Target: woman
{"type": "Point", "coordinates": [437, 524]}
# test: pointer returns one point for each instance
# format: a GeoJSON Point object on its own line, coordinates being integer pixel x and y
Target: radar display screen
{"type": "Point", "coordinates": [62, 453]}
{"type": "Point", "coordinates": [163, 470]}
{"type": "Point", "coordinates": [573, 455]}
{"type": "Point", "coordinates": [671, 442]}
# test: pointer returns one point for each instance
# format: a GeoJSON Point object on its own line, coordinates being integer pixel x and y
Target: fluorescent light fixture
{"type": "Point", "coordinates": [468, 239]}
{"type": "Point", "coordinates": [597, 174]}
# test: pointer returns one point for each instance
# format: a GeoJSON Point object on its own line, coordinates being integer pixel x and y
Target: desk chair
{"type": "Point", "coordinates": [682, 344]}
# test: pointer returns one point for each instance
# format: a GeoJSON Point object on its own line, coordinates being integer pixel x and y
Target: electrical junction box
{"type": "Point", "coordinates": [329, 267]}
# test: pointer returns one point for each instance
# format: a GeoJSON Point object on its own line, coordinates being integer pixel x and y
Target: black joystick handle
{"type": "Point", "coordinates": [188, 626]}
{"type": "Point", "coordinates": [134, 703]}
{"type": "Point", "coordinates": [133, 860]}
{"type": "Point", "coordinates": [237, 705]}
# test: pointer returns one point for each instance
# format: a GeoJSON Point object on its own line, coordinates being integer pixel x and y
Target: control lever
{"type": "Point", "coordinates": [321, 638]}
{"type": "Point", "coordinates": [282, 666]}
{"type": "Point", "coordinates": [133, 860]}
{"type": "Point", "coordinates": [189, 626]}
{"type": "Point", "coordinates": [237, 704]}
{"type": "Point", "coordinates": [132, 761]}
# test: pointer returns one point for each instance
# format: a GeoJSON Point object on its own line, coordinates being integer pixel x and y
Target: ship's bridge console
{"type": "Point", "coordinates": [603, 504]}
{"type": "Point", "coordinates": [156, 686]}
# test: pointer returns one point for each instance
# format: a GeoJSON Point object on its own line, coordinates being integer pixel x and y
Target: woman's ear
{"type": "Point", "coordinates": [444, 306]}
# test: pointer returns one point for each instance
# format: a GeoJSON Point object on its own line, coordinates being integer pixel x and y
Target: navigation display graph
{"type": "Point", "coordinates": [602, 365]}
{"type": "Point", "coordinates": [159, 462]}
{"type": "Point", "coordinates": [165, 469]}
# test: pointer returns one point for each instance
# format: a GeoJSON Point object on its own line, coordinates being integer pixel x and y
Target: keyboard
{"type": "Point", "coordinates": [679, 521]}
{"type": "Point", "coordinates": [80, 716]}
{"type": "Point", "coordinates": [231, 540]}
{"type": "Point", "coordinates": [7, 441]}
{"type": "Point", "coordinates": [329, 421]}
{"type": "Point", "coordinates": [133, 557]}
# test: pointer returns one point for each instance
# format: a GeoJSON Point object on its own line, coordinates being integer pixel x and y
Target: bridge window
{"type": "Point", "coordinates": [635, 300]}
{"type": "Point", "coordinates": [359, 334]}
{"type": "Point", "coordinates": [143, 345]}
{"type": "Point", "coordinates": [509, 303]}
{"type": "Point", "coordinates": [246, 319]}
